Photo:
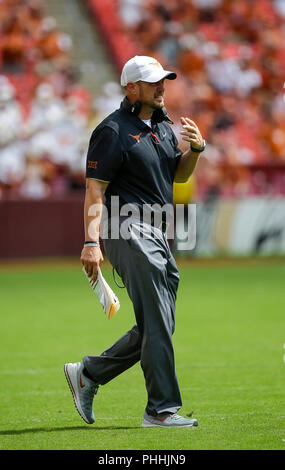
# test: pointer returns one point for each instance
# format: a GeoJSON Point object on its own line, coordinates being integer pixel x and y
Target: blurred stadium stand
{"type": "Point", "coordinates": [230, 59]}
{"type": "Point", "coordinates": [60, 64]}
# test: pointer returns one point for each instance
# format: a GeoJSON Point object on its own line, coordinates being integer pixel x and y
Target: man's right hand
{"type": "Point", "coordinates": [91, 258]}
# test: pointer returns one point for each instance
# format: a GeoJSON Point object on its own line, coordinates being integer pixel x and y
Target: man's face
{"type": "Point", "coordinates": [151, 94]}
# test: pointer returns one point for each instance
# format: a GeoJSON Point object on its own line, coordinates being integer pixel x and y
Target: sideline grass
{"type": "Point", "coordinates": [229, 354]}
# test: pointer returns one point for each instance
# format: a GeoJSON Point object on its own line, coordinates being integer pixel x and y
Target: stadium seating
{"type": "Point", "coordinates": [44, 111]}
{"type": "Point", "coordinates": [230, 59]}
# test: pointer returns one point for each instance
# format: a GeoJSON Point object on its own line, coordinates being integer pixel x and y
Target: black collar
{"type": "Point", "coordinates": [159, 115]}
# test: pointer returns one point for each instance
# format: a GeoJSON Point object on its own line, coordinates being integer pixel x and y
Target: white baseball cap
{"type": "Point", "coordinates": [146, 69]}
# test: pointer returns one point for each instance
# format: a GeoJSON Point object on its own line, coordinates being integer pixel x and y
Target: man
{"type": "Point", "coordinates": [133, 155]}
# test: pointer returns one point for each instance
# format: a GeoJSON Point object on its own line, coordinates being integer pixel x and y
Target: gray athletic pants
{"type": "Point", "coordinates": [149, 272]}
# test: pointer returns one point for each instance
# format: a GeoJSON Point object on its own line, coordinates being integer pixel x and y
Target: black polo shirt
{"type": "Point", "coordinates": [139, 162]}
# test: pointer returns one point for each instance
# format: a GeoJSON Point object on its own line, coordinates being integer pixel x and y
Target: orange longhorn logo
{"type": "Point", "coordinates": [156, 63]}
{"type": "Point", "coordinates": [136, 137]}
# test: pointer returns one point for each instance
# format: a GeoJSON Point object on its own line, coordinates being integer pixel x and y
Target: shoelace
{"type": "Point", "coordinates": [93, 390]}
{"type": "Point", "coordinates": [175, 416]}
{"type": "Point", "coordinates": [90, 391]}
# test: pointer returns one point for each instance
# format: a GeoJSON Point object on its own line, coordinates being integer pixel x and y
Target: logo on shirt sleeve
{"type": "Point", "coordinates": [92, 164]}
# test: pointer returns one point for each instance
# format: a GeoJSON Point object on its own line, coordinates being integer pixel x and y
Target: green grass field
{"type": "Point", "coordinates": [229, 344]}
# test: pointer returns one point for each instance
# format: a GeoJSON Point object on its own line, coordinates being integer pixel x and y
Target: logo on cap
{"type": "Point", "coordinates": [156, 64]}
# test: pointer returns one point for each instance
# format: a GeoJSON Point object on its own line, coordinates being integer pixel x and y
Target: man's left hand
{"type": "Point", "coordinates": [191, 133]}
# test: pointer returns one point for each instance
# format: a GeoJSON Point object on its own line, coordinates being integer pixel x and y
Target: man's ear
{"type": "Point", "coordinates": [132, 88]}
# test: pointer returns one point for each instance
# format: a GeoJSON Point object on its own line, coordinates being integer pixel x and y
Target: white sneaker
{"type": "Point", "coordinates": [168, 421]}
{"type": "Point", "coordinates": [82, 389]}
{"type": "Point", "coordinates": [106, 296]}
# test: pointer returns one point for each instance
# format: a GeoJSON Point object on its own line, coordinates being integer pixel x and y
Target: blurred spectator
{"type": "Point", "coordinates": [12, 163]}
{"type": "Point", "coordinates": [56, 131]}
{"type": "Point", "coordinates": [279, 6]}
{"type": "Point", "coordinates": [46, 109]}
{"type": "Point", "coordinates": [10, 113]}
{"type": "Point", "coordinates": [131, 11]}
{"type": "Point", "coordinates": [109, 100]}
{"type": "Point", "coordinates": [33, 185]}
{"type": "Point", "coordinates": [51, 44]}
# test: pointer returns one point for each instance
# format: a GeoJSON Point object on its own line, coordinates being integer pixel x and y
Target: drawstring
{"type": "Point", "coordinates": [115, 280]}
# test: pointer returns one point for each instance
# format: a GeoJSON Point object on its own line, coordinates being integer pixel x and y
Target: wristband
{"type": "Point", "coordinates": [199, 150]}
{"type": "Point", "coordinates": [91, 244]}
